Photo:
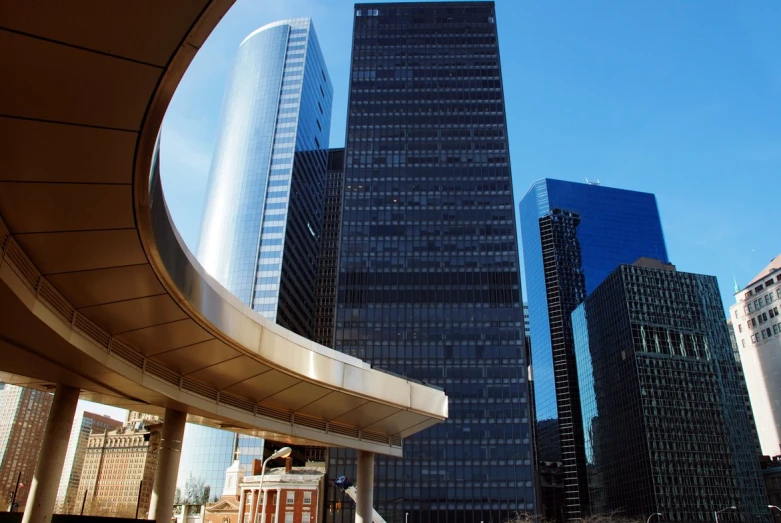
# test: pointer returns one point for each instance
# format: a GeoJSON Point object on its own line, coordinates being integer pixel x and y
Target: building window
{"type": "Point", "coordinates": [743, 342]}
{"type": "Point", "coordinates": [288, 517]}
{"type": "Point", "coordinates": [740, 328]}
{"type": "Point", "coordinates": [291, 498]}
{"type": "Point", "coordinates": [307, 498]}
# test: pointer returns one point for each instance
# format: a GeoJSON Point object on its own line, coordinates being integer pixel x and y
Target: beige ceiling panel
{"type": "Point", "coordinates": [399, 422]}
{"type": "Point", "coordinates": [366, 415]}
{"type": "Point", "coordinates": [135, 314]}
{"type": "Point", "coordinates": [54, 207]}
{"type": "Point", "coordinates": [227, 373]}
{"type": "Point", "coordinates": [79, 251]}
{"type": "Point", "coordinates": [147, 30]}
{"type": "Point", "coordinates": [332, 406]}
{"type": "Point", "coordinates": [297, 396]}
{"type": "Point", "coordinates": [34, 151]}
{"type": "Point", "coordinates": [48, 81]}
{"type": "Point", "coordinates": [263, 386]}
{"type": "Point", "coordinates": [166, 337]}
{"type": "Point", "coordinates": [194, 357]}
{"type": "Point", "coordinates": [87, 288]}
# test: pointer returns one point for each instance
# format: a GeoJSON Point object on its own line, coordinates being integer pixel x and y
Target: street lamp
{"type": "Point", "coordinates": [717, 512]}
{"type": "Point", "coordinates": [771, 507]}
{"type": "Point", "coordinates": [281, 453]}
{"type": "Point", "coordinates": [652, 515]}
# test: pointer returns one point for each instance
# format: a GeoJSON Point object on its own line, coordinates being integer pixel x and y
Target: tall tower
{"type": "Point", "coordinates": [23, 415]}
{"type": "Point", "coordinates": [262, 219]}
{"type": "Point", "coordinates": [574, 235]}
{"type": "Point", "coordinates": [429, 284]}
{"type": "Point", "coordinates": [667, 429]}
{"type": "Point", "coordinates": [261, 224]}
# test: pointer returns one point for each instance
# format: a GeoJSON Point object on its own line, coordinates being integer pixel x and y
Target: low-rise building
{"type": "Point", "coordinates": [290, 495]}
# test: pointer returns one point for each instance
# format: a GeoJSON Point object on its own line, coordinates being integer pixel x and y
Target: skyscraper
{"type": "Point", "coordinates": [664, 416]}
{"type": "Point", "coordinates": [574, 235]}
{"type": "Point", "coordinates": [428, 284]}
{"type": "Point", "coordinates": [756, 321]}
{"type": "Point", "coordinates": [84, 424]}
{"type": "Point", "coordinates": [329, 249]}
{"type": "Point", "coordinates": [23, 415]}
{"type": "Point", "coordinates": [262, 219]}
{"type": "Point", "coordinates": [261, 224]}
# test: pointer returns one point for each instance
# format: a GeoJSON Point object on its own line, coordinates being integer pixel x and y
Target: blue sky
{"type": "Point", "coordinates": [681, 99]}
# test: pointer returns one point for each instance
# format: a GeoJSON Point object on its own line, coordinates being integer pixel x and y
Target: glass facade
{"type": "Point", "coordinates": [262, 220]}
{"type": "Point", "coordinates": [574, 236]}
{"type": "Point", "coordinates": [428, 280]}
{"type": "Point", "coordinates": [325, 294]}
{"type": "Point", "coordinates": [260, 234]}
{"type": "Point", "coordinates": [665, 423]}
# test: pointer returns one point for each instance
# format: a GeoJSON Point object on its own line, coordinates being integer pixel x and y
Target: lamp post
{"type": "Point", "coordinates": [652, 515]}
{"type": "Point", "coordinates": [717, 512]}
{"type": "Point", "coordinates": [281, 453]}
{"type": "Point", "coordinates": [771, 507]}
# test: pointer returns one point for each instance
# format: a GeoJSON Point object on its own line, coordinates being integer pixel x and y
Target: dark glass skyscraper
{"type": "Point", "coordinates": [664, 415]}
{"type": "Point", "coordinates": [574, 235]}
{"type": "Point", "coordinates": [428, 283]}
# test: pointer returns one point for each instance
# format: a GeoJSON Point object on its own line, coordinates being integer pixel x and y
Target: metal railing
{"type": "Point", "coordinates": [17, 260]}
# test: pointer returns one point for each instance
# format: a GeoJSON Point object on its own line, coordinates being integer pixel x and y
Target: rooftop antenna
{"type": "Point", "coordinates": [597, 182]}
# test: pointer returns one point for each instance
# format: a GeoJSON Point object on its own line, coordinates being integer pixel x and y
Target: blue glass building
{"type": "Point", "coordinates": [662, 396]}
{"type": "Point", "coordinates": [260, 233]}
{"type": "Point", "coordinates": [574, 235]}
{"type": "Point", "coordinates": [262, 220]}
{"type": "Point", "coordinates": [428, 279]}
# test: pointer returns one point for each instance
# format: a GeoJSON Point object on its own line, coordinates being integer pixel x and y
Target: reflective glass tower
{"type": "Point", "coordinates": [264, 202]}
{"type": "Point", "coordinates": [428, 281]}
{"type": "Point", "coordinates": [261, 224]}
{"type": "Point", "coordinates": [574, 235]}
{"type": "Point", "coordinates": [665, 422]}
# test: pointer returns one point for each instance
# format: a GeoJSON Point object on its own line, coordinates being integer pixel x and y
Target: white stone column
{"type": "Point", "coordinates": [242, 504]}
{"type": "Point", "coordinates": [364, 485]}
{"type": "Point", "coordinates": [263, 501]}
{"type": "Point", "coordinates": [48, 469]}
{"type": "Point", "coordinates": [253, 507]}
{"type": "Point", "coordinates": [162, 505]}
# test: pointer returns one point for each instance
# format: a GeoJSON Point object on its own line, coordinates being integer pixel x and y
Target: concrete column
{"type": "Point", "coordinates": [162, 505]}
{"type": "Point", "coordinates": [46, 479]}
{"type": "Point", "coordinates": [364, 485]}
{"type": "Point", "coordinates": [242, 504]}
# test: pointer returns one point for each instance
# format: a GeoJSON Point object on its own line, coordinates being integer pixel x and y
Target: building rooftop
{"type": "Point", "coordinates": [770, 268]}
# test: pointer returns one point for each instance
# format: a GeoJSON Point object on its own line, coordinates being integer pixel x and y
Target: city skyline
{"type": "Point", "coordinates": [654, 125]}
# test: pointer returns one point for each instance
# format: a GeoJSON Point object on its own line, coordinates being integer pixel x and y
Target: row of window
{"type": "Point", "coordinates": [765, 334]}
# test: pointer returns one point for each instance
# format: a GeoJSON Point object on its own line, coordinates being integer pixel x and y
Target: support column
{"type": "Point", "coordinates": [364, 486]}
{"type": "Point", "coordinates": [46, 479]}
{"type": "Point", "coordinates": [253, 508]}
{"type": "Point", "coordinates": [162, 505]}
{"type": "Point", "coordinates": [242, 504]}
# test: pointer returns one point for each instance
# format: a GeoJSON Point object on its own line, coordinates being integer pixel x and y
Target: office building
{"type": "Point", "coordinates": [574, 235]}
{"type": "Point", "coordinates": [262, 220]}
{"type": "Point", "coordinates": [84, 424]}
{"type": "Point", "coordinates": [119, 471]}
{"type": "Point", "coordinates": [261, 225]}
{"type": "Point", "coordinates": [23, 415]}
{"type": "Point", "coordinates": [428, 283]}
{"type": "Point", "coordinates": [325, 294]}
{"type": "Point", "coordinates": [663, 410]}
{"type": "Point", "coordinates": [757, 327]}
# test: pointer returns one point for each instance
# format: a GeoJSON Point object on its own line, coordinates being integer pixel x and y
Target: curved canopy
{"type": "Point", "coordinates": [98, 291]}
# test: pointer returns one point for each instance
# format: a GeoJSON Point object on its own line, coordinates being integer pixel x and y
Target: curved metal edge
{"type": "Point", "coordinates": [213, 307]}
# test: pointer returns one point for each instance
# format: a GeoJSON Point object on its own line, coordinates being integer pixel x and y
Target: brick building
{"type": "Point", "coordinates": [23, 415]}
{"type": "Point", "coordinates": [293, 495]}
{"type": "Point", "coordinates": [119, 470]}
